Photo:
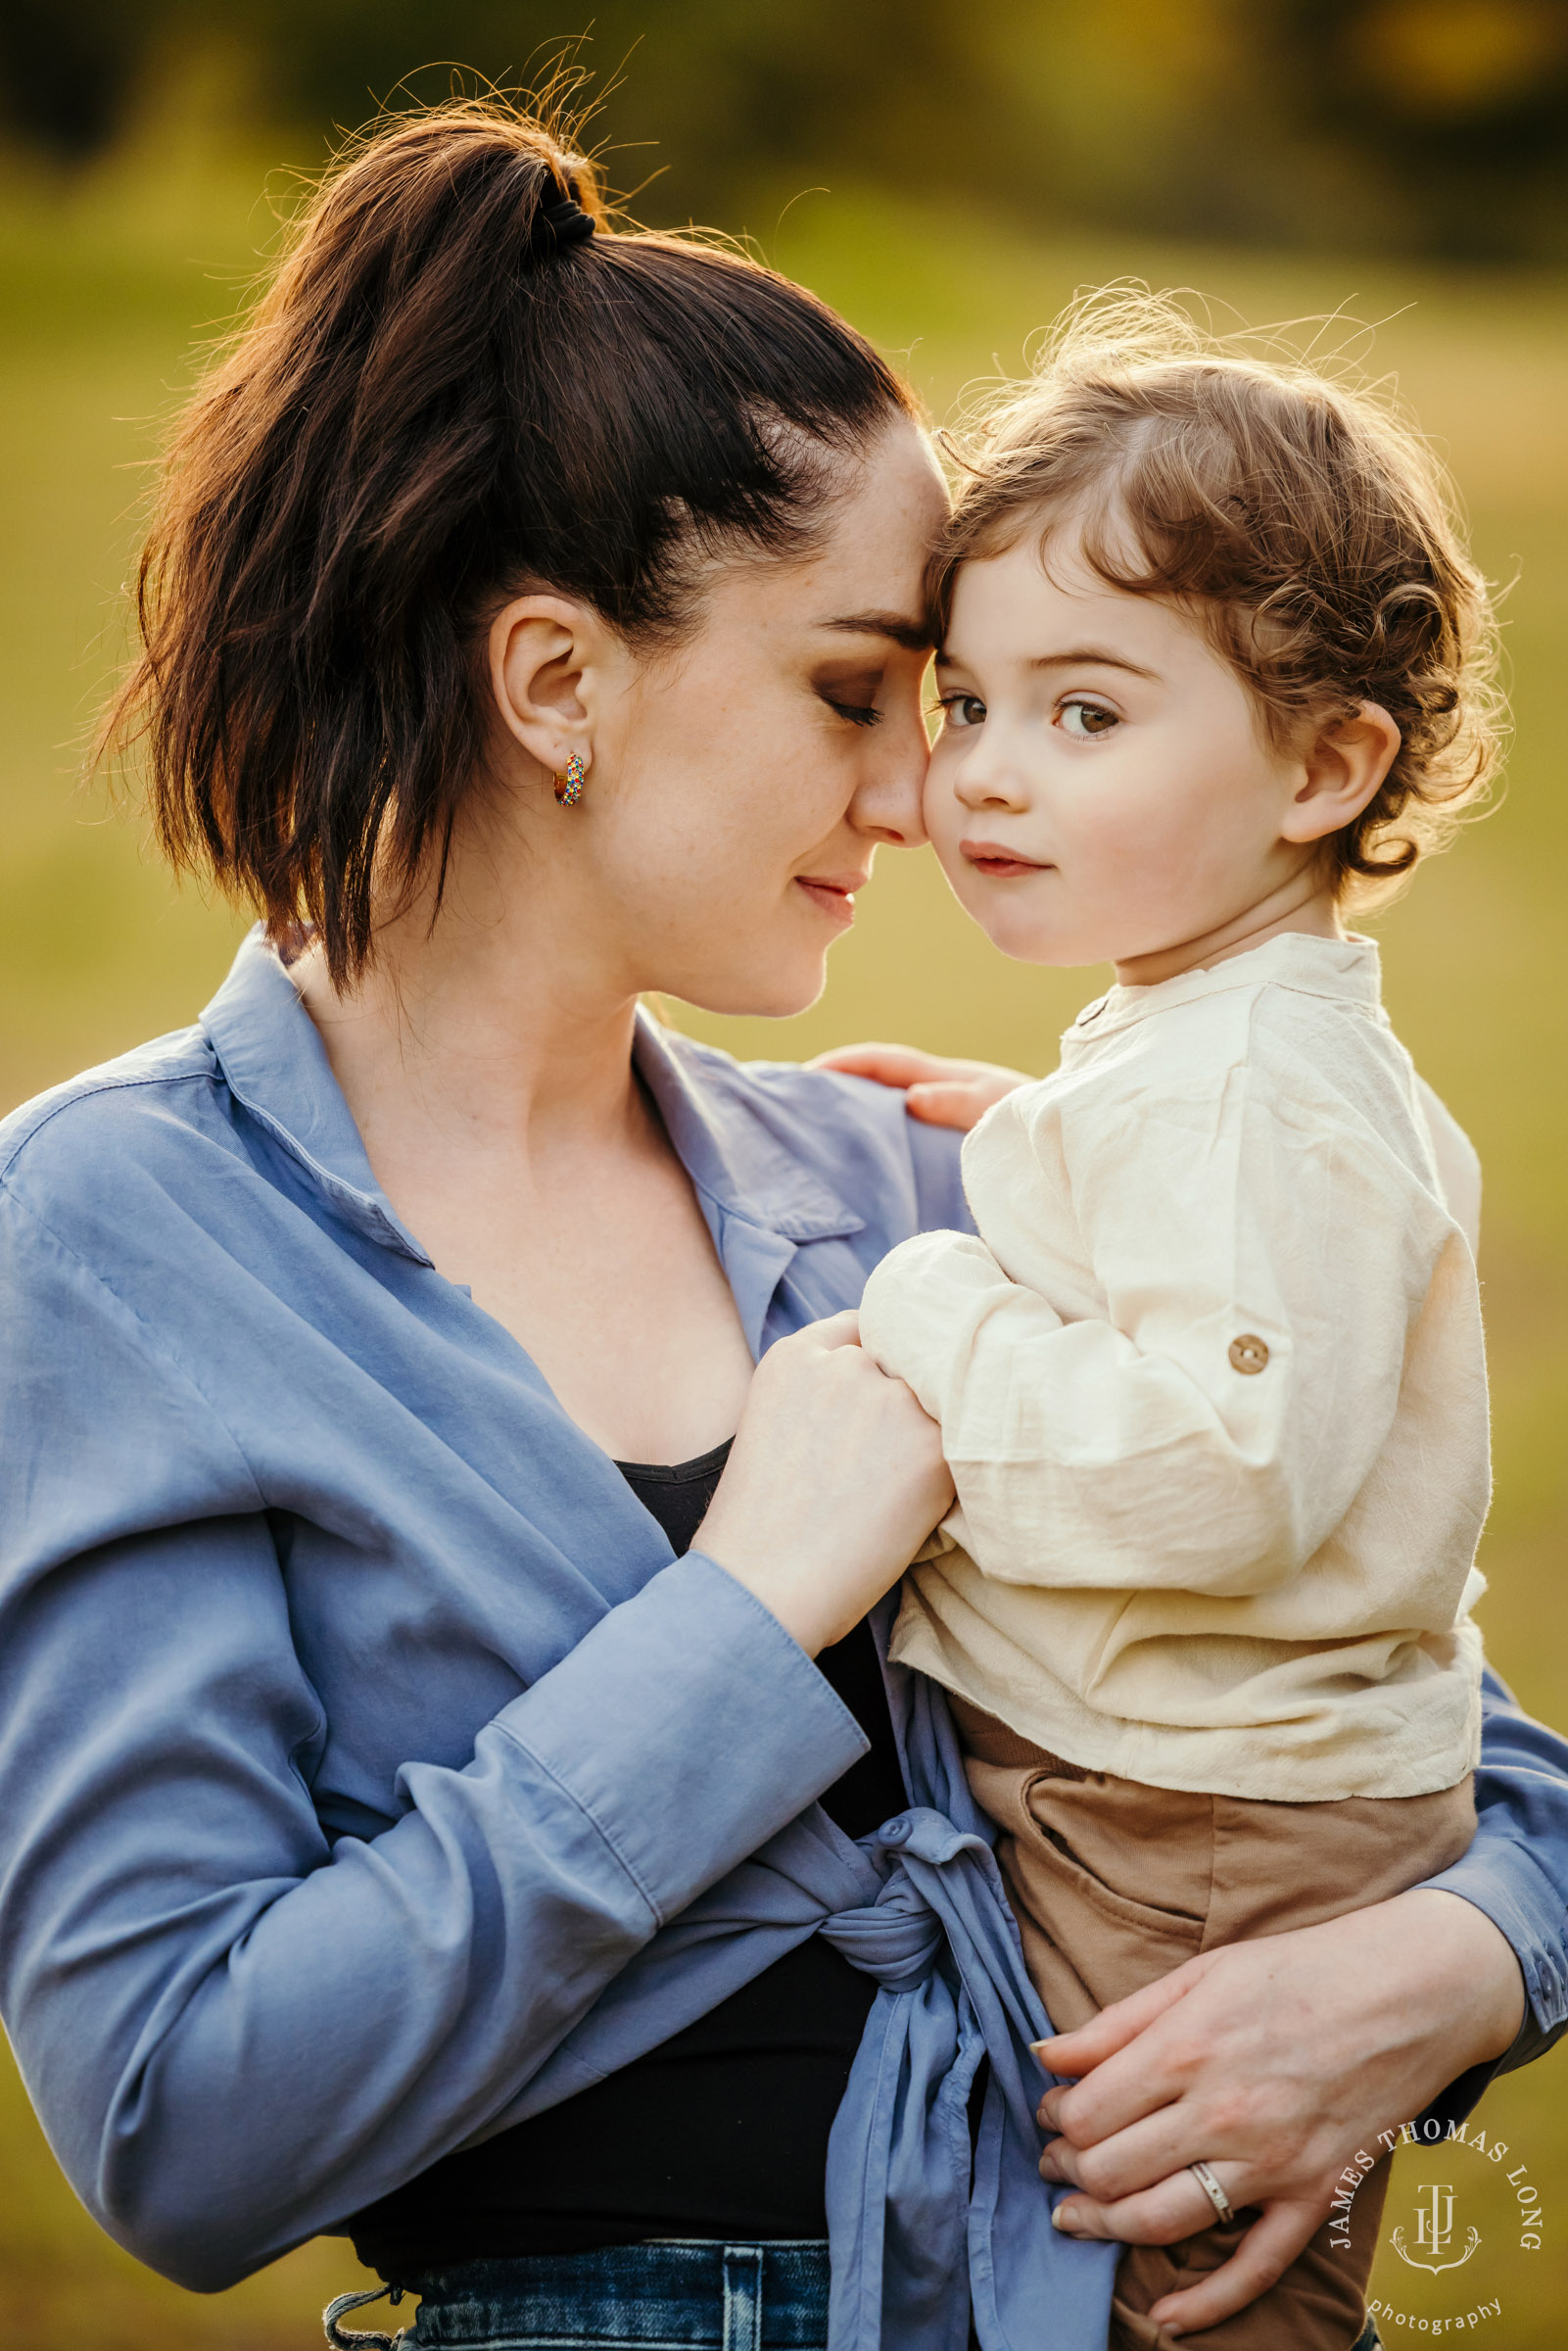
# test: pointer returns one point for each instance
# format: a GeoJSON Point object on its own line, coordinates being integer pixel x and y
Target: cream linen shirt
{"type": "Point", "coordinates": [1213, 1390]}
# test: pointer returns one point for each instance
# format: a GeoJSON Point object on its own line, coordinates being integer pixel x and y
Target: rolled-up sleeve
{"type": "Point", "coordinates": [177, 1931]}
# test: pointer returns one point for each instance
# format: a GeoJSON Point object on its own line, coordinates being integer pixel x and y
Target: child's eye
{"type": "Point", "coordinates": [1085, 721]}
{"type": "Point", "coordinates": [961, 709]}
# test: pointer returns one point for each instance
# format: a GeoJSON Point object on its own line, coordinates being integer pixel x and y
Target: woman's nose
{"type": "Point", "coordinates": [887, 800]}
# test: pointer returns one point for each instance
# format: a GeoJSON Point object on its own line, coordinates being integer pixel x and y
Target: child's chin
{"type": "Point", "coordinates": [1023, 941]}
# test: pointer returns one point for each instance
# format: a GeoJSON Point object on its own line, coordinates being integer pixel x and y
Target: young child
{"type": "Point", "coordinates": [1213, 667]}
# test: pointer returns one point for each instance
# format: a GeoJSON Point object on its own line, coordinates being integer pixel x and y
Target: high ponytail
{"type": "Point", "coordinates": [462, 380]}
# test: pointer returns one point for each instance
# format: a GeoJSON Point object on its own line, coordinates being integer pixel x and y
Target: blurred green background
{"type": "Point", "coordinates": [948, 181]}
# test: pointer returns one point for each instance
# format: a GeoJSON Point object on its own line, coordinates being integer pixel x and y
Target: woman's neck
{"type": "Point", "coordinates": [493, 1035]}
{"type": "Point", "coordinates": [488, 1065]}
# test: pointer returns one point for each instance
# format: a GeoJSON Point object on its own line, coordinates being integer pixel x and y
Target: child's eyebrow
{"type": "Point", "coordinates": [1081, 656]}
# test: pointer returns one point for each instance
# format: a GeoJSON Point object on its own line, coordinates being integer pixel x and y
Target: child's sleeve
{"type": "Point", "coordinates": [1195, 1392]}
{"type": "Point", "coordinates": [1458, 1165]}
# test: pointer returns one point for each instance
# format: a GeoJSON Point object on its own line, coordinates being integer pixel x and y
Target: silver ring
{"type": "Point", "coordinates": [1213, 2190]}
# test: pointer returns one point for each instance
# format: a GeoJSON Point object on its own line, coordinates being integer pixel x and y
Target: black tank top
{"type": "Point", "coordinates": [723, 2131]}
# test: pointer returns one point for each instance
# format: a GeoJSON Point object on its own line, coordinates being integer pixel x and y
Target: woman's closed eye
{"type": "Point", "coordinates": [851, 690]}
{"type": "Point", "coordinates": [1086, 721]}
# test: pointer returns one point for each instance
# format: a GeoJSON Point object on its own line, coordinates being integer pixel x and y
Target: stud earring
{"type": "Point", "coordinates": [569, 787]}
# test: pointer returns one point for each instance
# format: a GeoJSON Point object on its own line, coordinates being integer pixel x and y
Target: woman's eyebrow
{"type": "Point", "coordinates": [915, 636]}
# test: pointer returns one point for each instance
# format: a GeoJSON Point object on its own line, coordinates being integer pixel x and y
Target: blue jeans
{"type": "Point", "coordinates": [689, 2295]}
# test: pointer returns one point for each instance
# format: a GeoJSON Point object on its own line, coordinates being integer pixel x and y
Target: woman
{"type": "Point", "coordinates": [407, 1829]}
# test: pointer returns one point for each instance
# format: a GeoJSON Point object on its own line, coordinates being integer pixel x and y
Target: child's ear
{"type": "Point", "coordinates": [1344, 768]}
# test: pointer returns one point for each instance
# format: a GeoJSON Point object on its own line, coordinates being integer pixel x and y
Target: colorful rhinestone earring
{"type": "Point", "coordinates": [569, 787]}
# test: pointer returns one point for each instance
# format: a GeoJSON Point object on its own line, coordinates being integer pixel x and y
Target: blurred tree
{"type": "Point", "coordinates": [62, 70]}
{"type": "Point", "coordinates": [1436, 126]}
{"type": "Point", "coordinates": [1466, 102]}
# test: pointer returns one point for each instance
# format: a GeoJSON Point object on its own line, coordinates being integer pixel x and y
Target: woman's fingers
{"type": "Point", "coordinates": [957, 1102]}
{"type": "Point", "coordinates": [1176, 2207]}
{"type": "Point", "coordinates": [888, 1065]}
{"type": "Point", "coordinates": [1076, 2053]}
{"type": "Point", "coordinates": [1273, 2061]}
{"type": "Point", "coordinates": [1136, 2159]}
{"type": "Point", "coordinates": [1258, 2262]}
{"type": "Point", "coordinates": [834, 1480]}
{"type": "Point", "coordinates": [834, 1330]}
{"type": "Point", "coordinates": [1131, 2061]}
{"type": "Point", "coordinates": [942, 1091]}
{"type": "Point", "coordinates": [1285, 2053]}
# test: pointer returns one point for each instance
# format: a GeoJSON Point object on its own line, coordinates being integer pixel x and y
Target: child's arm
{"type": "Point", "coordinates": [1259, 1274]}
{"type": "Point", "coordinates": [1457, 1166]}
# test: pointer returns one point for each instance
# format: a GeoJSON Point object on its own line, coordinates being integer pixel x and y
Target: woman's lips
{"type": "Point", "coordinates": [1002, 864]}
{"type": "Point", "coordinates": [834, 893]}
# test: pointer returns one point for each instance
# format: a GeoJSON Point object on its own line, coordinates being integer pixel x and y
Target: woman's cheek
{"type": "Point", "coordinates": [944, 821]}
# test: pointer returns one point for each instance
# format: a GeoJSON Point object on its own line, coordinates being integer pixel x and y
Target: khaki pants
{"type": "Point", "coordinates": [1116, 1884]}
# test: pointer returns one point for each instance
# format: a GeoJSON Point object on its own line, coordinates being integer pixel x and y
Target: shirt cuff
{"type": "Point", "coordinates": [1508, 1884]}
{"type": "Point", "coordinates": [1517, 1874]}
{"type": "Point", "coordinates": [1490, 1891]}
{"type": "Point", "coordinates": [919, 1310]}
{"type": "Point", "coordinates": [688, 1727]}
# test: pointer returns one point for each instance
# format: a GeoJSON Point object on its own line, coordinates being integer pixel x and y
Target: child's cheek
{"type": "Point", "coordinates": [1106, 836]}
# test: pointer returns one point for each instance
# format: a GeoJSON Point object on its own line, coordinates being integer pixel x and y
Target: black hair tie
{"type": "Point", "coordinates": [558, 224]}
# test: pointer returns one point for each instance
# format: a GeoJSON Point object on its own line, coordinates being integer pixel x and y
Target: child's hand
{"type": "Point", "coordinates": [943, 1093]}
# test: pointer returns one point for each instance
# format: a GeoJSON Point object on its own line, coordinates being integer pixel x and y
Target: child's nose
{"type": "Point", "coordinates": [984, 781]}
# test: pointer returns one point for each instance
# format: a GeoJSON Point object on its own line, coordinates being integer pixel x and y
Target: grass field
{"type": "Point", "coordinates": [103, 294]}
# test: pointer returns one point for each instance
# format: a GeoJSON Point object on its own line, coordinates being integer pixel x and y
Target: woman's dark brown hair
{"type": "Point", "coordinates": [448, 392]}
{"type": "Point", "coordinates": [1304, 522]}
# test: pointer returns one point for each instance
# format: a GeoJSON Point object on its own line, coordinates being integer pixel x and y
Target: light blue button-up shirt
{"type": "Point", "coordinates": [357, 1730]}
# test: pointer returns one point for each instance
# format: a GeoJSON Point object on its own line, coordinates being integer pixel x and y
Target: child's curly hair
{"type": "Point", "coordinates": [1305, 522]}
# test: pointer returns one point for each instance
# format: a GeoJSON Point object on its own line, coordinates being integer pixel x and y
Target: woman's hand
{"type": "Point", "coordinates": [836, 1479]}
{"type": "Point", "coordinates": [944, 1093]}
{"type": "Point", "coordinates": [1274, 2062]}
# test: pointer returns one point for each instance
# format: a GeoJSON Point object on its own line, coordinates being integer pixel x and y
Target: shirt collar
{"type": "Point", "coordinates": [1347, 969]}
{"type": "Point", "coordinates": [273, 1062]}
{"type": "Point", "coordinates": [736, 1147]}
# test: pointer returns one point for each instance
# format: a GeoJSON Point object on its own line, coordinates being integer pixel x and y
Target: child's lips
{"type": "Point", "coordinates": [1001, 863]}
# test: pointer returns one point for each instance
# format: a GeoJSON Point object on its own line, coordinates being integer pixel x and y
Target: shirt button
{"type": "Point", "coordinates": [895, 1832]}
{"type": "Point", "coordinates": [1248, 1352]}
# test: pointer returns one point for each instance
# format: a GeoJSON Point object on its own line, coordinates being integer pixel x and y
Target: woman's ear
{"type": "Point", "coordinates": [546, 654]}
{"type": "Point", "coordinates": [1344, 768]}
